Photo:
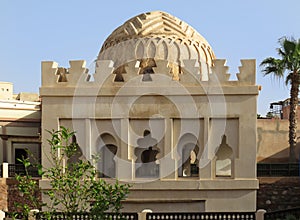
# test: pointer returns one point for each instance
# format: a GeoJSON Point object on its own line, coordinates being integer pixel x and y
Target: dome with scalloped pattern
{"type": "Point", "coordinates": [160, 36]}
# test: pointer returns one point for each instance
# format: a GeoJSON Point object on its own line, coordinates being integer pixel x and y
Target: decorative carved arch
{"type": "Point", "coordinates": [223, 159]}
{"type": "Point", "coordinates": [107, 146]}
{"type": "Point", "coordinates": [146, 154]}
{"type": "Point", "coordinates": [188, 156]}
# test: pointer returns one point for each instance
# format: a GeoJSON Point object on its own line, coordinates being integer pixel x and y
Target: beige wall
{"type": "Point", "coordinates": [6, 90]}
{"type": "Point", "coordinates": [20, 127]}
{"type": "Point", "coordinates": [172, 111]}
{"type": "Point", "coordinates": [272, 140]}
{"type": "Point", "coordinates": [170, 85]}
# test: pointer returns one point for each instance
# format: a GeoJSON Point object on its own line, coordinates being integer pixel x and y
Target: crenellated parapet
{"type": "Point", "coordinates": [247, 72]}
{"type": "Point", "coordinates": [77, 73]}
{"type": "Point", "coordinates": [104, 70]}
{"type": "Point", "coordinates": [49, 73]}
{"type": "Point", "coordinates": [106, 75]}
{"type": "Point", "coordinates": [165, 115]}
{"type": "Point", "coordinates": [53, 75]}
{"type": "Point", "coordinates": [219, 72]}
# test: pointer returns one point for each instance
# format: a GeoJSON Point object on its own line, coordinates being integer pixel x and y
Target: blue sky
{"type": "Point", "coordinates": [63, 30]}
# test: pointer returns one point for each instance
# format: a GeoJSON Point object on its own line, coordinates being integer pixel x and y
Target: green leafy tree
{"type": "Point", "coordinates": [74, 183]}
{"type": "Point", "coordinates": [110, 198]}
{"type": "Point", "coordinates": [74, 186]}
{"type": "Point", "coordinates": [269, 115]}
{"type": "Point", "coordinates": [288, 67]}
{"type": "Point", "coordinates": [29, 192]}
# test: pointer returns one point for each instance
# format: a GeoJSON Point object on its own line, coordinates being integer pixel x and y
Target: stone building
{"type": "Point", "coordinates": [163, 114]}
{"type": "Point", "coordinates": [20, 124]}
{"type": "Point", "coordinates": [281, 109]}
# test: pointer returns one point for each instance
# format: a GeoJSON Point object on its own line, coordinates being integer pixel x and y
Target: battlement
{"type": "Point", "coordinates": [105, 72]}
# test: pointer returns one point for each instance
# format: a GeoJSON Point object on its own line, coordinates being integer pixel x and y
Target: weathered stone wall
{"type": "Point", "coordinates": [273, 194]}
{"type": "Point", "coordinates": [3, 195]}
{"type": "Point", "coordinates": [272, 141]}
{"type": "Point", "coordinates": [9, 195]}
{"type": "Point", "coordinates": [13, 194]}
{"type": "Point", "coordinates": [278, 193]}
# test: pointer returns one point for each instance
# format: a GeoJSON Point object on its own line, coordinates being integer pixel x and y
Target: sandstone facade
{"type": "Point", "coordinates": [163, 114]}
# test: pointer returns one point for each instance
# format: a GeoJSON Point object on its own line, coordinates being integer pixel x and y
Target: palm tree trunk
{"type": "Point", "coordinates": [293, 117]}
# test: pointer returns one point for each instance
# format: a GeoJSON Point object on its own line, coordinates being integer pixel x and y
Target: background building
{"type": "Point", "coordinates": [20, 123]}
{"type": "Point", "coordinates": [281, 109]}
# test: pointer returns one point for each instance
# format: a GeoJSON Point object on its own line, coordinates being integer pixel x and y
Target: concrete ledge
{"type": "Point", "coordinates": [178, 185]}
{"type": "Point", "coordinates": [94, 91]}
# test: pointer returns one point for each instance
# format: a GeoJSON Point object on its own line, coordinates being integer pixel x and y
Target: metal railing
{"type": "Point", "coordinates": [203, 216]}
{"type": "Point", "coordinates": [277, 169]}
{"type": "Point", "coordinates": [19, 169]}
{"type": "Point", "coordinates": [86, 216]}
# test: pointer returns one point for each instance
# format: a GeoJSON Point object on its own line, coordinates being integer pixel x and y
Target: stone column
{"type": "Point", "coordinates": [123, 161]}
{"type": "Point", "coordinates": [143, 215]}
{"type": "Point", "coordinates": [2, 215]}
{"type": "Point", "coordinates": [4, 170]}
{"type": "Point", "coordinates": [88, 134]}
{"type": "Point", "coordinates": [32, 214]}
{"type": "Point", "coordinates": [205, 161]}
{"type": "Point", "coordinates": [259, 215]}
{"type": "Point", "coordinates": [167, 162]}
{"type": "Point", "coordinates": [9, 151]}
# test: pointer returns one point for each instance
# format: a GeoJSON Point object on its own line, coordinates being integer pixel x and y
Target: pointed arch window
{"type": "Point", "coordinates": [188, 150]}
{"type": "Point", "coordinates": [223, 159]}
{"type": "Point", "coordinates": [146, 68]}
{"type": "Point", "coordinates": [108, 149]}
{"type": "Point", "coordinates": [147, 164]}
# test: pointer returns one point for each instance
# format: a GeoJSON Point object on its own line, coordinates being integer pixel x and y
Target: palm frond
{"type": "Point", "coordinates": [289, 47]}
{"type": "Point", "coordinates": [289, 51]}
{"type": "Point", "coordinates": [272, 65]}
{"type": "Point", "coordinates": [281, 52]}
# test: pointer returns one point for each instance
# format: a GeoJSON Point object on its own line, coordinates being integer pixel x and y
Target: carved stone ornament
{"type": "Point", "coordinates": [157, 35]}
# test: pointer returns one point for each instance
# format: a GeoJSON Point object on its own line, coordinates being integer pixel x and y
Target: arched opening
{"type": "Point", "coordinates": [190, 162]}
{"type": "Point", "coordinates": [77, 152]}
{"type": "Point", "coordinates": [108, 153]}
{"type": "Point", "coordinates": [223, 159]}
{"type": "Point", "coordinates": [108, 150]}
{"type": "Point", "coordinates": [146, 68]}
{"type": "Point", "coordinates": [118, 72]}
{"type": "Point", "coordinates": [146, 154]}
{"type": "Point", "coordinates": [188, 151]}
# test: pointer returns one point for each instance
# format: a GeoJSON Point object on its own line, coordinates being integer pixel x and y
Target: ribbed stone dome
{"type": "Point", "coordinates": [160, 36]}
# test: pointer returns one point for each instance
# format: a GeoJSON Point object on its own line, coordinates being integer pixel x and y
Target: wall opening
{"type": "Point", "coordinates": [188, 150]}
{"type": "Point", "coordinates": [223, 159]}
{"type": "Point", "coordinates": [20, 154]}
{"type": "Point", "coordinates": [77, 155]}
{"type": "Point", "coordinates": [146, 68]}
{"type": "Point", "coordinates": [108, 150]}
{"type": "Point", "coordinates": [119, 74]}
{"type": "Point", "coordinates": [146, 153]}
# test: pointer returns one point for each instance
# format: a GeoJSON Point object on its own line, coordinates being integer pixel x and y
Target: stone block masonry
{"type": "Point", "coordinates": [9, 195]}
{"type": "Point", "coordinates": [278, 193]}
{"type": "Point", "coordinates": [3, 195]}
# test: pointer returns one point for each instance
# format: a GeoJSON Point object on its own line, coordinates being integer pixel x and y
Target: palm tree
{"type": "Point", "coordinates": [289, 63]}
